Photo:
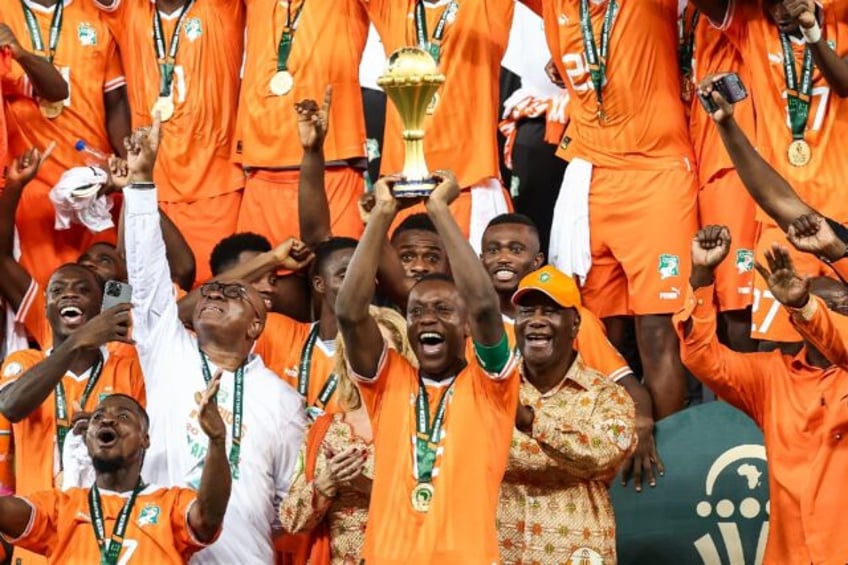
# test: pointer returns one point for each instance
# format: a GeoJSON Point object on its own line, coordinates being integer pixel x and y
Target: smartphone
{"type": "Point", "coordinates": [114, 293]}
{"type": "Point", "coordinates": [730, 87]}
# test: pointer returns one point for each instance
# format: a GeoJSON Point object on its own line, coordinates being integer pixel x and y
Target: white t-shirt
{"type": "Point", "coordinates": [273, 416]}
{"type": "Point", "coordinates": [527, 53]}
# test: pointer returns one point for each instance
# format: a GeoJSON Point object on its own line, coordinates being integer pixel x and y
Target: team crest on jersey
{"type": "Point", "coordinates": [585, 556]}
{"type": "Point", "coordinates": [87, 35]}
{"type": "Point", "coordinates": [669, 266]}
{"type": "Point", "coordinates": [193, 29]}
{"type": "Point", "coordinates": [744, 261]}
{"type": "Point", "coordinates": [13, 370]}
{"type": "Point", "coordinates": [149, 516]}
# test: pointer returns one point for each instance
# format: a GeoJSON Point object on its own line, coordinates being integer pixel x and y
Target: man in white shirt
{"type": "Point", "coordinates": [227, 319]}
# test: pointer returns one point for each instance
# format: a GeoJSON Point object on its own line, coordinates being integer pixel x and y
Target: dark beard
{"type": "Point", "coordinates": [107, 465]}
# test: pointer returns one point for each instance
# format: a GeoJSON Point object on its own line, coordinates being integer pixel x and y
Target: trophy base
{"type": "Point", "coordinates": [414, 188]}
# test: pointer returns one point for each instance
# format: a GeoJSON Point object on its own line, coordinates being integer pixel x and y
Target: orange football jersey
{"type": "Point", "coordinates": [326, 50]}
{"type": "Point", "coordinates": [194, 158]}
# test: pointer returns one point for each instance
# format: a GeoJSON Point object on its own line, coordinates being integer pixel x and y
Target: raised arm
{"type": "Point", "coordinates": [45, 79]}
{"type": "Point", "coordinates": [813, 234]}
{"type": "Point", "coordinates": [472, 280]}
{"type": "Point", "coordinates": [26, 393]}
{"type": "Point", "coordinates": [361, 334]}
{"type": "Point", "coordinates": [313, 206]}
{"type": "Point", "coordinates": [738, 378]}
{"type": "Point", "coordinates": [770, 190]}
{"type": "Point", "coordinates": [832, 66]}
{"type": "Point", "coordinates": [117, 118]}
{"type": "Point", "coordinates": [207, 514]}
{"type": "Point", "coordinates": [14, 279]}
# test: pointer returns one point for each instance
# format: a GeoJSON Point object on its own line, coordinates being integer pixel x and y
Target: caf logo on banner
{"type": "Point", "coordinates": [712, 505]}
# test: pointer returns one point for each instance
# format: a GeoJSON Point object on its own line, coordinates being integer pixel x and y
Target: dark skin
{"type": "Point", "coordinates": [421, 253]}
{"type": "Point", "coordinates": [434, 329]}
{"type": "Point", "coordinates": [45, 78]}
{"type": "Point", "coordinates": [77, 338]}
{"type": "Point", "coordinates": [117, 119]}
{"type": "Point", "coordinates": [710, 247]}
{"type": "Point", "coordinates": [116, 438]}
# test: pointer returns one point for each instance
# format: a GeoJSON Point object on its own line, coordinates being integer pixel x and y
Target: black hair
{"type": "Point", "coordinates": [136, 405]}
{"type": "Point", "coordinates": [420, 222]}
{"type": "Point", "coordinates": [435, 277]}
{"type": "Point", "coordinates": [104, 243]}
{"type": "Point", "coordinates": [327, 248]}
{"type": "Point", "coordinates": [227, 251]}
{"type": "Point", "coordinates": [97, 279]}
{"type": "Point", "coordinates": [512, 218]}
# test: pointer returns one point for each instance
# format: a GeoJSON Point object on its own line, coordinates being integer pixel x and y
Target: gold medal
{"type": "Point", "coordinates": [799, 153]}
{"type": "Point", "coordinates": [164, 106]}
{"type": "Point", "coordinates": [431, 107]}
{"type": "Point", "coordinates": [51, 110]}
{"type": "Point", "coordinates": [282, 83]}
{"type": "Point", "coordinates": [422, 495]}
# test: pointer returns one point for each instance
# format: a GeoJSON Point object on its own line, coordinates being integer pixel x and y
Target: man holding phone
{"type": "Point", "coordinates": [795, 51]}
{"type": "Point", "coordinates": [43, 392]}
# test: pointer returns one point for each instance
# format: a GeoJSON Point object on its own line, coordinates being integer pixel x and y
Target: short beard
{"type": "Point", "coordinates": [108, 465]}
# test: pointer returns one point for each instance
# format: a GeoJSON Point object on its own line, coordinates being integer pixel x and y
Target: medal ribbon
{"type": "Point", "coordinates": [433, 45]}
{"type": "Point", "coordinates": [110, 551]}
{"type": "Point", "coordinates": [686, 39]}
{"type": "Point", "coordinates": [304, 372]}
{"type": "Point", "coordinates": [35, 31]}
{"type": "Point", "coordinates": [287, 38]}
{"type": "Point", "coordinates": [167, 57]}
{"type": "Point", "coordinates": [63, 422]}
{"type": "Point", "coordinates": [238, 410]}
{"type": "Point", "coordinates": [428, 437]}
{"type": "Point", "coordinates": [797, 99]}
{"type": "Point", "coordinates": [597, 61]}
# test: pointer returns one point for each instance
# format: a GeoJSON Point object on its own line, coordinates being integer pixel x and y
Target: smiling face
{"type": "Point", "coordinates": [117, 434]}
{"type": "Point", "coordinates": [74, 296]}
{"type": "Point", "coordinates": [544, 330]}
{"type": "Point", "coordinates": [229, 310]}
{"type": "Point", "coordinates": [437, 321]}
{"type": "Point", "coordinates": [510, 251]}
{"type": "Point", "coordinates": [421, 253]}
{"type": "Point", "coordinates": [104, 260]}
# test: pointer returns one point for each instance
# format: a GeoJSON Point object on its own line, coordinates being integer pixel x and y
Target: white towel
{"type": "Point", "coordinates": [77, 470]}
{"type": "Point", "coordinates": [76, 201]}
{"type": "Point", "coordinates": [570, 250]}
{"type": "Point", "coordinates": [15, 333]}
{"type": "Point", "coordinates": [487, 202]}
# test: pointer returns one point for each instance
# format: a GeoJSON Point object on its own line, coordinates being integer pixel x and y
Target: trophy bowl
{"type": "Point", "coordinates": [411, 80]}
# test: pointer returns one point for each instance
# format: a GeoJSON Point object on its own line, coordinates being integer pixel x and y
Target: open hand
{"type": "Point", "coordinates": [208, 416]}
{"type": "Point", "coordinates": [641, 464]}
{"type": "Point", "coordinates": [811, 233]}
{"type": "Point", "coordinates": [313, 122]}
{"type": "Point", "coordinates": [24, 168]}
{"type": "Point", "coordinates": [110, 325]}
{"type": "Point", "coordinates": [788, 287]}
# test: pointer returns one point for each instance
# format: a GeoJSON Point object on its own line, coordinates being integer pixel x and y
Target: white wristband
{"type": "Point", "coordinates": [813, 34]}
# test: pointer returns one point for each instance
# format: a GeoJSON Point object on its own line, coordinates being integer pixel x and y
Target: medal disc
{"type": "Point", "coordinates": [799, 153]}
{"type": "Point", "coordinates": [51, 110]}
{"type": "Point", "coordinates": [422, 495]}
{"type": "Point", "coordinates": [281, 83]}
{"type": "Point", "coordinates": [165, 108]}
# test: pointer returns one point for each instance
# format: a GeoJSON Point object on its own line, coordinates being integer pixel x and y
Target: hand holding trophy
{"type": "Point", "coordinates": [410, 81]}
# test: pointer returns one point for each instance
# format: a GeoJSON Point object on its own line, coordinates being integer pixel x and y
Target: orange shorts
{"type": "Point", "coordinates": [203, 224]}
{"type": "Point", "coordinates": [460, 210]}
{"type": "Point", "coordinates": [724, 201]}
{"type": "Point", "coordinates": [43, 248]}
{"type": "Point", "coordinates": [770, 320]}
{"type": "Point", "coordinates": [270, 203]}
{"type": "Point", "coordinates": [641, 224]}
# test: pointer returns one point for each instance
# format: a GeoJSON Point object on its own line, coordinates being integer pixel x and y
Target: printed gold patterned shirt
{"type": "Point", "coordinates": [347, 513]}
{"type": "Point", "coordinates": [554, 502]}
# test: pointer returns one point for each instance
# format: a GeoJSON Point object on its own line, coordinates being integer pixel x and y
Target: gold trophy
{"type": "Point", "coordinates": [410, 81]}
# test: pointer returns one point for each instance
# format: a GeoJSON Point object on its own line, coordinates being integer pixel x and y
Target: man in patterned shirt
{"type": "Point", "coordinates": [573, 430]}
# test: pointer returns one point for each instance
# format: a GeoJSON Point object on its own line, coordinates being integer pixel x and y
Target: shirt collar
{"type": "Point", "coordinates": [577, 374]}
{"type": "Point", "coordinates": [43, 9]}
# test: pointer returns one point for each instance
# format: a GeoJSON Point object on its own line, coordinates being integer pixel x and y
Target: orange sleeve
{"type": "Point", "coordinates": [114, 78]}
{"type": "Point", "coordinates": [371, 390]}
{"type": "Point", "coordinates": [597, 351]}
{"type": "Point", "coordinates": [825, 331]}
{"type": "Point", "coordinates": [7, 458]}
{"type": "Point", "coordinates": [16, 365]}
{"type": "Point", "coordinates": [841, 268]}
{"type": "Point", "coordinates": [739, 378]}
{"type": "Point", "coordinates": [32, 313]}
{"type": "Point", "coordinates": [41, 534]}
{"type": "Point", "coordinates": [184, 539]}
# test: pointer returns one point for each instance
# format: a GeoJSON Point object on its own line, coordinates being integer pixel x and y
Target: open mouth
{"type": "Point", "coordinates": [211, 308]}
{"type": "Point", "coordinates": [537, 340]}
{"type": "Point", "coordinates": [504, 275]}
{"type": "Point", "coordinates": [71, 315]}
{"type": "Point", "coordinates": [431, 342]}
{"type": "Point", "coordinates": [106, 437]}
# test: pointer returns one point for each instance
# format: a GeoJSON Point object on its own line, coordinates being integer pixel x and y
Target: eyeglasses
{"type": "Point", "coordinates": [233, 291]}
